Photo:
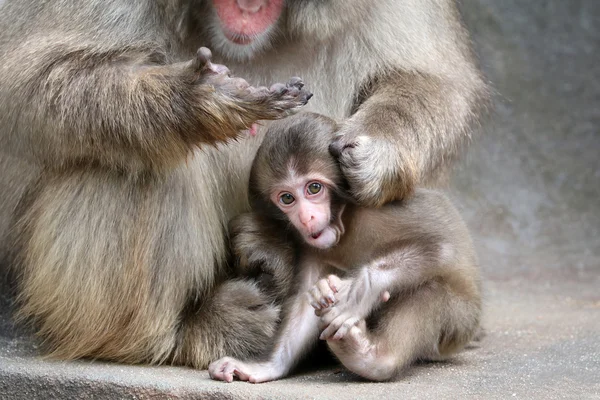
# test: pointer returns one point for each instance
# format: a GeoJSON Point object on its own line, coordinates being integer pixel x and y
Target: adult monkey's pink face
{"type": "Point", "coordinates": [244, 25]}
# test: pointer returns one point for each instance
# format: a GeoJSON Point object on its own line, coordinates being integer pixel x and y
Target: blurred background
{"type": "Point", "coordinates": [531, 186]}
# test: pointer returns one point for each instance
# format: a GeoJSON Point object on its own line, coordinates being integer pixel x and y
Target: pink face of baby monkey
{"type": "Point", "coordinates": [306, 201]}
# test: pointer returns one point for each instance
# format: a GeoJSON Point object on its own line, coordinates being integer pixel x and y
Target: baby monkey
{"type": "Point", "coordinates": [408, 285]}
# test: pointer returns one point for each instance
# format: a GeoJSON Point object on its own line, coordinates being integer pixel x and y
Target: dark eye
{"type": "Point", "coordinates": [314, 188]}
{"type": "Point", "coordinates": [286, 198]}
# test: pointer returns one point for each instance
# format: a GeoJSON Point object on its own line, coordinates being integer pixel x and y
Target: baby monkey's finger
{"type": "Point", "coordinates": [314, 297]}
{"type": "Point", "coordinates": [327, 296]}
{"type": "Point", "coordinates": [334, 282]}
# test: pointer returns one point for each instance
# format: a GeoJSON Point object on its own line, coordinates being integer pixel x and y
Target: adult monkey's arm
{"type": "Point", "coordinates": [415, 115]}
{"type": "Point", "coordinates": [112, 94]}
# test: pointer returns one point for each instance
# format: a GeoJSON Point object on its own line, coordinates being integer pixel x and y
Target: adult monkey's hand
{"type": "Point", "coordinates": [404, 134]}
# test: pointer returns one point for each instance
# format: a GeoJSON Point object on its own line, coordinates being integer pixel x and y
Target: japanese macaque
{"type": "Point", "coordinates": [121, 158]}
{"type": "Point", "coordinates": [408, 285]}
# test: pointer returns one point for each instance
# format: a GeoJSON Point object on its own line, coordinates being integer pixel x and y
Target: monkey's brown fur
{"type": "Point", "coordinates": [116, 221]}
{"type": "Point", "coordinates": [435, 305]}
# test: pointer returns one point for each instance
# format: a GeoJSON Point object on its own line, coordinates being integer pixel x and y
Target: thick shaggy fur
{"type": "Point", "coordinates": [115, 220]}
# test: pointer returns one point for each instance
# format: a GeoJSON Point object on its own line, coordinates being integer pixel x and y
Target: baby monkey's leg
{"type": "Point", "coordinates": [296, 337]}
{"type": "Point", "coordinates": [429, 323]}
{"type": "Point", "coordinates": [364, 353]}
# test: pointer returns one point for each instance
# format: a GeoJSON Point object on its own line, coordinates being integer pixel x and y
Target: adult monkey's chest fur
{"type": "Point", "coordinates": [327, 70]}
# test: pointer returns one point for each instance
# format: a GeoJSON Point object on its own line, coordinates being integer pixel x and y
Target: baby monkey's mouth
{"type": "Point", "coordinates": [316, 235]}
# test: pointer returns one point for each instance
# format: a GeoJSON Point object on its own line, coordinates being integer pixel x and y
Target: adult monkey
{"type": "Point", "coordinates": [118, 223]}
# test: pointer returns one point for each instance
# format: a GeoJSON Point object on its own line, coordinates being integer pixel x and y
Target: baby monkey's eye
{"type": "Point", "coordinates": [314, 188]}
{"type": "Point", "coordinates": [286, 198]}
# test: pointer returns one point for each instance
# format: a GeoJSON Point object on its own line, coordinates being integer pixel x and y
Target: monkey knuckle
{"type": "Point", "coordinates": [327, 332]}
{"type": "Point", "coordinates": [323, 287]}
{"type": "Point", "coordinates": [278, 89]}
{"type": "Point", "coordinates": [339, 321]}
{"type": "Point", "coordinates": [349, 323]}
{"type": "Point", "coordinates": [327, 319]}
{"type": "Point", "coordinates": [293, 92]}
{"type": "Point", "coordinates": [334, 280]}
{"type": "Point", "coordinates": [296, 81]}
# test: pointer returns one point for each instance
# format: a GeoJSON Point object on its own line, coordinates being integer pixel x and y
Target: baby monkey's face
{"type": "Point", "coordinates": [306, 201]}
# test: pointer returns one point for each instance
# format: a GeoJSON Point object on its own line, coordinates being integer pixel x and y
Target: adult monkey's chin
{"type": "Point", "coordinates": [244, 22]}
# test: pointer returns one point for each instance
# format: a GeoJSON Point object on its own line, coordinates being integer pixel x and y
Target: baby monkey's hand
{"type": "Point", "coordinates": [322, 294]}
{"type": "Point", "coordinates": [338, 309]}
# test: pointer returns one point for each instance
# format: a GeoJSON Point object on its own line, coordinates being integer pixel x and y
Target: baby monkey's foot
{"type": "Point", "coordinates": [357, 352]}
{"type": "Point", "coordinates": [227, 368]}
{"type": "Point", "coordinates": [353, 343]}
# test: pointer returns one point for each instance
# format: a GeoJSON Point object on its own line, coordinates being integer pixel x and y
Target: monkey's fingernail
{"type": "Point", "coordinates": [331, 298]}
{"type": "Point", "coordinates": [324, 303]}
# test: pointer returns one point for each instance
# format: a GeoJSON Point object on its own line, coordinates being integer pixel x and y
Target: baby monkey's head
{"type": "Point", "coordinates": [295, 177]}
